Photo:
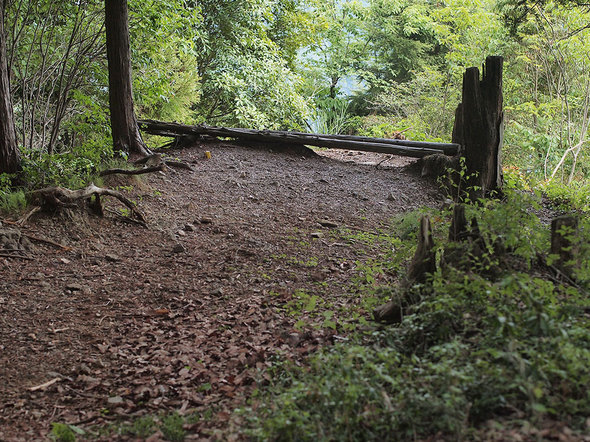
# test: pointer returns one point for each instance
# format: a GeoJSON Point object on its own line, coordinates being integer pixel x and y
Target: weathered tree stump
{"type": "Point", "coordinates": [479, 126]}
{"type": "Point", "coordinates": [564, 231]}
{"type": "Point", "coordinates": [467, 248]}
{"type": "Point", "coordinates": [423, 264]}
{"type": "Point", "coordinates": [424, 261]}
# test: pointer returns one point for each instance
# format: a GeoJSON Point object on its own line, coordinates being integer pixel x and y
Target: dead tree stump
{"type": "Point", "coordinates": [467, 249]}
{"type": "Point", "coordinates": [424, 261]}
{"type": "Point", "coordinates": [423, 264]}
{"type": "Point", "coordinates": [564, 244]}
{"type": "Point", "coordinates": [479, 126]}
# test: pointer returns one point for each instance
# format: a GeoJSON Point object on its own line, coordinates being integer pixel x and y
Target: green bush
{"type": "Point", "coordinates": [575, 196]}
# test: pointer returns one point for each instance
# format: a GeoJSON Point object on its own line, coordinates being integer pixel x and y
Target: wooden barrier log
{"type": "Point", "coordinates": [415, 149]}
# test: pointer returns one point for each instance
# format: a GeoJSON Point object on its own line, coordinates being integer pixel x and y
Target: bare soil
{"type": "Point", "coordinates": [186, 315]}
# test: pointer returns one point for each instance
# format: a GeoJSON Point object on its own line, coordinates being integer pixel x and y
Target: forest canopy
{"type": "Point", "coordinates": [370, 67]}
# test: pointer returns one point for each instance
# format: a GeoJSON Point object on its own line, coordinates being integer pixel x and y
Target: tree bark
{"type": "Point", "coordinates": [424, 261]}
{"type": "Point", "coordinates": [9, 154]}
{"type": "Point", "coordinates": [479, 125]}
{"type": "Point", "coordinates": [126, 136]}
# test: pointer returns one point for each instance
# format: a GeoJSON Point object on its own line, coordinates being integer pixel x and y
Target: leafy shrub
{"type": "Point", "coordinates": [386, 126]}
{"type": "Point", "coordinates": [331, 116]}
{"type": "Point", "coordinates": [73, 170]}
{"type": "Point", "coordinates": [574, 196]}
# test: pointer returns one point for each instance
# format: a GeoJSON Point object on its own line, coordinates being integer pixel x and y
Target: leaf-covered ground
{"type": "Point", "coordinates": [186, 315]}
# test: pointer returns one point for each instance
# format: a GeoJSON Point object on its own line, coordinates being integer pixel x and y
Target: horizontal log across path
{"type": "Point", "coordinates": [408, 148]}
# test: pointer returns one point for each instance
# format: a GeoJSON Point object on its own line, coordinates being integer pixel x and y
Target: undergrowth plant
{"type": "Point", "coordinates": [514, 346]}
{"type": "Point", "coordinates": [11, 199]}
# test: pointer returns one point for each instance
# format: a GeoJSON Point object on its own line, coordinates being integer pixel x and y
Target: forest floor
{"type": "Point", "coordinates": [186, 314]}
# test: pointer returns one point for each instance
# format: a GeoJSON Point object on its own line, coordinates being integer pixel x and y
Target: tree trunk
{"type": "Point", "coordinates": [479, 123]}
{"type": "Point", "coordinates": [9, 155]}
{"type": "Point", "coordinates": [126, 136]}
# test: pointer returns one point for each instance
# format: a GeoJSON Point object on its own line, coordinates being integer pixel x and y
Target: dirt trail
{"type": "Point", "coordinates": [185, 315]}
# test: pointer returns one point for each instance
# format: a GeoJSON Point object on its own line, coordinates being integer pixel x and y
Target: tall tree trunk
{"type": "Point", "coordinates": [9, 155]}
{"type": "Point", "coordinates": [126, 136]}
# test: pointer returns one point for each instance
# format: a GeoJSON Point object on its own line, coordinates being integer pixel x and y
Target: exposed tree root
{"type": "Point", "coordinates": [141, 171]}
{"type": "Point", "coordinates": [156, 159]}
{"type": "Point", "coordinates": [52, 198]}
{"type": "Point", "coordinates": [22, 221]}
{"type": "Point", "coordinates": [178, 165]}
{"type": "Point", "coordinates": [15, 256]}
{"type": "Point", "coordinates": [46, 241]}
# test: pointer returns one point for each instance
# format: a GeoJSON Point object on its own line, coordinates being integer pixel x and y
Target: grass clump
{"type": "Point", "coordinates": [172, 427]}
{"type": "Point", "coordinates": [61, 432]}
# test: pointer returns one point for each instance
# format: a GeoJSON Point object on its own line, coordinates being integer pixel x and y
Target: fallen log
{"type": "Point", "coordinates": [415, 149]}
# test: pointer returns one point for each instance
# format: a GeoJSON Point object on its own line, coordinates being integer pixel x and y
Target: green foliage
{"type": "Point", "coordinates": [11, 199]}
{"type": "Point", "coordinates": [575, 196]}
{"type": "Point", "coordinates": [331, 116]}
{"type": "Point", "coordinates": [142, 428]}
{"type": "Point", "coordinates": [376, 126]}
{"type": "Point", "coordinates": [514, 222]}
{"type": "Point", "coordinates": [64, 432]}
{"type": "Point", "coordinates": [68, 170]}
{"type": "Point", "coordinates": [473, 349]}
{"type": "Point", "coordinates": [166, 38]}
{"type": "Point", "coordinates": [171, 427]}
{"type": "Point", "coordinates": [245, 80]}
{"type": "Point", "coordinates": [54, 53]}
